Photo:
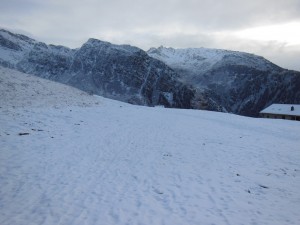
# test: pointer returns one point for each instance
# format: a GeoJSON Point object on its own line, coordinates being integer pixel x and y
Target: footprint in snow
{"type": "Point", "coordinates": [157, 191]}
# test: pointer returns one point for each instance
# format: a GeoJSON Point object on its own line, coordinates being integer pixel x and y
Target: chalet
{"type": "Point", "coordinates": [282, 111]}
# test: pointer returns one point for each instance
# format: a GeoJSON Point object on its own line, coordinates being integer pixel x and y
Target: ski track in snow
{"type": "Point", "coordinates": [115, 163]}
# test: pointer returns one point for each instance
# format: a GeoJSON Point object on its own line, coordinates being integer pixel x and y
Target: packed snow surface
{"type": "Point", "coordinates": [115, 163]}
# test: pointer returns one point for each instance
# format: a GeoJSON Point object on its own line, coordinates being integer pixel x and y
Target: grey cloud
{"type": "Point", "coordinates": [144, 23]}
{"type": "Point", "coordinates": [126, 14]}
{"type": "Point", "coordinates": [19, 7]}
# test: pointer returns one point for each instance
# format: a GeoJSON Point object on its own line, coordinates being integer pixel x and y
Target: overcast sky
{"type": "Point", "coordinates": [270, 28]}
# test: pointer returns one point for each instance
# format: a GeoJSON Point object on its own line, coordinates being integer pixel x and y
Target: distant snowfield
{"type": "Point", "coordinates": [70, 158]}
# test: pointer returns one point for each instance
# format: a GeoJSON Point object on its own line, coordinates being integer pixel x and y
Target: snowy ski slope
{"type": "Point", "coordinates": [109, 162]}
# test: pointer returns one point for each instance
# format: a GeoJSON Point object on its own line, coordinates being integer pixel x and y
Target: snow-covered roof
{"type": "Point", "coordinates": [283, 109]}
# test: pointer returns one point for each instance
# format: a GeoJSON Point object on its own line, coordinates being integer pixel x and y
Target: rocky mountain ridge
{"type": "Point", "coordinates": [242, 83]}
{"type": "Point", "coordinates": [120, 72]}
{"type": "Point", "coordinates": [211, 79]}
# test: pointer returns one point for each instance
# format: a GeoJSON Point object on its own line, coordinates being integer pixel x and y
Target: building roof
{"type": "Point", "coordinates": [282, 109]}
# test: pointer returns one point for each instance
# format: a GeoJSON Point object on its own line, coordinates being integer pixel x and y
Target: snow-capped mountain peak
{"type": "Point", "coordinates": [95, 43]}
{"type": "Point", "coordinates": [240, 82]}
{"type": "Point", "coordinates": [200, 60]}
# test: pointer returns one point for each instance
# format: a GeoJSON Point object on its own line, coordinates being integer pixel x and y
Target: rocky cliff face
{"type": "Point", "coordinates": [122, 72]}
{"type": "Point", "coordinates": [241, 83]}
{"type": "Point", "coordinates": [127, 73]}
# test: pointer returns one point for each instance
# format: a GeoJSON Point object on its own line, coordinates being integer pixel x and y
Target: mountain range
{"type": "Point", "coordinates": [197, 78]}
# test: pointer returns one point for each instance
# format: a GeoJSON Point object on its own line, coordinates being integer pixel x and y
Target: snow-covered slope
{"type": "Point", "coordinates": [23, 90]}
{"type": "Point", "coordinates": [115, 163]}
